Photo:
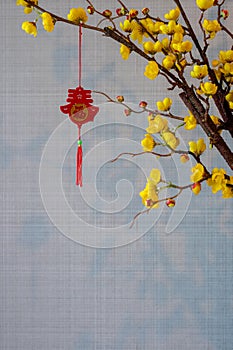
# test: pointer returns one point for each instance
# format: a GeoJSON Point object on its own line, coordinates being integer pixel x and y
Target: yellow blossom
{"type": "Point", "coordinates": [154, 27]}
{"type": "Point", "coordinates": [139, 30]}
{"type": "Point", "coordinates": [182, 47]}
{"type": "Point", "coordinates": [208, 89]}
{"type": "Point", "coordinates": [226, 56]}
{"type": "Point", "coordinates": [155, 176]}
{"type": "Point", "coordinates": [149, 195]}
{"type": "Point", "coordinates": [197, 147]}
{"type": "Point", "coordinates": [227, 70]}
{"type": "Point", "coordinates": [229, 98]}
{"type": "Point", "coordinates": [47, 21]}
{"type": "Point", "coordinates": [171, 28]}
{"type": "Point", "coordinates": [173, 14]}
{"type": "Point", "coordinates": [77, 15]}
{"type": "Point", "coordinates": [177, 38]}
{"type": "Point", "coordinates": [190, 122]}
{"type": "Point", "coordinates": [218, 180]}
{"type": "Point", "coordinates": [125, 52]}
{"type": "Point", "coordinates": [152, 48]}
{"type": "Point", "coordinates": [211, 27]}
{"type": "Point", "coordinates": [151, 70]}
{"type": "Point", "coordinates": [148, 143]}
{"type": "Point", "coordinates": [164, 105]}
{"type": "Point", "coordinates": [126, 26]}
{"type": "Point", "coordinates": [199, 72]}
{"type": "Point", "coordinates": [181, 64]}
{"type": "Point", "coordinates": [227, 191]}
{"type": "Point", "coordinates": [27, 8]}
{"type": "Point", "coordinates": [21, 3]}
{"type": "Point", "coordinates": [204, 4]}
{"type": "Point", "coordinates": [198, 172]}
{"type": "Point", "coordinates": [169, 61]}
{"type": "Point", "coordinates": [170, 139]}
{"type": "Point", "coordinates": [166, 44]}
{"type": "Point", "coordinates": [156, 124]}
{"type": "Point", "coordinates": [30, 28]}
{"type": "Point", "coordinates": [158, 46]}
{"type": "Point", "coordinates": [215, 120]}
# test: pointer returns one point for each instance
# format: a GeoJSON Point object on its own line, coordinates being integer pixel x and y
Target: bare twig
{"type": "Point", "coordinates": [139, 154]}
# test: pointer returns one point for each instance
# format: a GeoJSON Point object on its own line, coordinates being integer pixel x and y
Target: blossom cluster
{"type": "Point", "coordinates": [76, 16]}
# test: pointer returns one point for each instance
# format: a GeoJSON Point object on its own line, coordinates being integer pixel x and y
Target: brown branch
{"type": "Point", "coordinates": [194, 105]}
{"type": "Point", "coordinates": [140, 153]}
{"type": "Point", "coordinates": [226, 30]}
{"type": "Point", "coordinates": [110, 99]}
{"type": "Point", "coordinates": [218, 98]}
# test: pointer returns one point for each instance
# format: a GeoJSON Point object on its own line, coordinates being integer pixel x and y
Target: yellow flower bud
{"type": "Point", "coordinates": [226, 56]}
{"type": "Point", "coordinates": [149, 47]}
{"type": "Point", "coordinates": [204, 4]}
{"type": "Point", "coordinates": [171, 28]}
{"type": "Point", "coordinates": [227, 190]}
{"type": "Point", "coordinates": [182, 47]}
{"type": "Point", "coordinates": [157, 124]}
{"type": "Point", "coordinates": [169, 61]}
{"type": "Point", "coordinates": [184, 158]}
{"type": "Point", "coordinates": [199, 72]}
{"type": "Point", "coordinates": [126, 26]}
{"type": "Point", "coordinates": [190, 122]}
{"type": "Point", "coordinates": [164, 105]}
{"type": "Point", "coordinates": [215, 120]}
{"type": "Point", "coordinates": [170, 139]}
{"type": "Point", "coordinates": [211, 27]}
{"type": "Point", "coordinates": [155, 176]}
{"type": "Point", "coordinates": [125, 52]}
{"type": "Point", "coordinates": [196, 188]}
{"type": "Point", "coordinates": [166, 44]}
{"type": "Point", "coordinates": [47, 21]}
{"type": "Point", "coordinates": [149, 195]}
{"type": "Point", "coordinates": [229, 98]}
{"type": "Point", "coordinates": [177, 38]}
{"type": "Point", "coordinates": [148, 143]}
{"type": "Point", "coordinates": [30, 28]}
{"type": "Point", "coordinates": [197, 147]}
{"type": "Point", "coordinates": [218, 180]}
{"type": "Point", "coordinates": [151, 70]}
{"type": "Point", "coordinates": [198, 173]}
{"type": "Point", "coordinates": [173, 14]}
{"type": "Point", "coordinates": [77, 15]}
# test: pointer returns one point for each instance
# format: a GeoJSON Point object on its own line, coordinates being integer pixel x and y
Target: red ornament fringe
{"type": "Point", "coordinates": [79, 164]}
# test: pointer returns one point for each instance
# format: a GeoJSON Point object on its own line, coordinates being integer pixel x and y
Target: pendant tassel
{"type": "Point", "coordinates": [79, 162]}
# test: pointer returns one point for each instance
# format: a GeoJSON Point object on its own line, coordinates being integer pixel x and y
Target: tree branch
{"type": "Point", "coordinates": [194, 105]}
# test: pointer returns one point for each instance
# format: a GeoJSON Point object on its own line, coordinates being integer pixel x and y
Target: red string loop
{"type": "Point", "coordinates": [80, 55]}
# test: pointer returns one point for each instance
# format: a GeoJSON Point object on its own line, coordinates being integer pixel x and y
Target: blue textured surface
{"type": "Point", "coordinates": [163, 292]}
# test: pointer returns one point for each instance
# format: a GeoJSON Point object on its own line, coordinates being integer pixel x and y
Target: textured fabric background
{"type": "Point", "coordinates": [161, 291]}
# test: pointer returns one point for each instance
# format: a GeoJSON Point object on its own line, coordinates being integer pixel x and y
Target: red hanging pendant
{"type": "Point", "coordinates": [80, 111]}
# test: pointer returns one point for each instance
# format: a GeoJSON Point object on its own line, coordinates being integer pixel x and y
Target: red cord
{"type": "Point", "coordinates": [80, 55]}
{"type": "Point", "coordinates": [79, 160]}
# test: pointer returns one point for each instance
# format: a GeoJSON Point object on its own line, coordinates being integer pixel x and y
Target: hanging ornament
{"type": "Point", "coordinates": [80, 110]}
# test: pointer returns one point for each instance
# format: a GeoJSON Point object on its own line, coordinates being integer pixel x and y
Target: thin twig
{"type": "Point", "coordinates": [110, 99]}
{"type": "Point", "coordinates": [139, 154]}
